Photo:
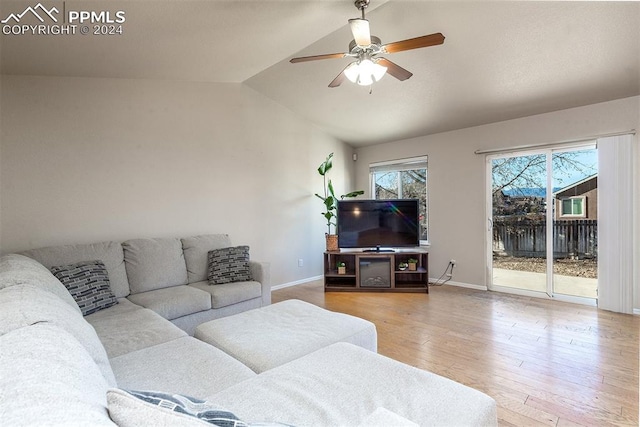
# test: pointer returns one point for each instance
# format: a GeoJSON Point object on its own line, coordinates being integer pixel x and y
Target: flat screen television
{"type": "Point", "coordinates": [378, 224]}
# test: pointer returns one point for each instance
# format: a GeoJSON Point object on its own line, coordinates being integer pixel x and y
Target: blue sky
{"type": "Point", "coordinates": [569, 167]}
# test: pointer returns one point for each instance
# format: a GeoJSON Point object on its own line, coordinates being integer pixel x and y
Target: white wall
{"type": "Point", "coordinates": [456, 176]}
{"type": "Point", "coordinates": [86, 160]}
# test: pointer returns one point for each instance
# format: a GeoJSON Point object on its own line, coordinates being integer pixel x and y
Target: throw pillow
{"type": "Point", "coordinates": [136, 408]}
{"type": "Point", "coordinates": [88, 284]}
{"type": "Point", "coordinates": [228, 265]}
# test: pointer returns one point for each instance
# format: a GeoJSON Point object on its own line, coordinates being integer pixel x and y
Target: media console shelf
{"type": "Point", "coordinates": [376, 271]}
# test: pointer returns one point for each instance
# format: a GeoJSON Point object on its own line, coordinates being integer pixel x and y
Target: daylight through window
{"type": "Point", "coordinates": [402, 179]}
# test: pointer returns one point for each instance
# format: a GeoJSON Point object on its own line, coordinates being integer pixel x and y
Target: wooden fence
{"type": "Point", "coordinates": [523, 237]}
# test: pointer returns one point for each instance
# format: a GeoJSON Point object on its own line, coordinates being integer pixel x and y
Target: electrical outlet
{"type": "Point", "coordinates": [300, 262]}
{"type": "Point", "coordinates": [453, 262]}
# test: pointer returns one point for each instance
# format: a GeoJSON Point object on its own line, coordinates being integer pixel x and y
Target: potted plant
{"type": "Point", "coordinates": [403, 266]}
{"type": "Point", "coordinates": [342, 268]}
{"type": "Point", "coordinates": [330, 203]}
{"type": "Point", "coordinates": [413, 264]}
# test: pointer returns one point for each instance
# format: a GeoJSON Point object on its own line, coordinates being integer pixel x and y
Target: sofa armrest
{"type": "Point", "coordinates": [261, 272]}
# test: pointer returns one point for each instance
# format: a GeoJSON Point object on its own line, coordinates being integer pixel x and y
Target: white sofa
{"type": "Point", "coordinates": [60, 368]}
{"type": "Point", "coordinates": [168, 276]}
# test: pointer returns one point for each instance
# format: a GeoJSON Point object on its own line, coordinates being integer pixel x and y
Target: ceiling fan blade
{"type": "Point", "coordinates": [360, 31]}
{"type": "Point", "coordinates": [317, 57]}
{"type": "Point", "coordinates": [339, 78]}
{"type": "Point", "coordinates": [416, 43]}
{"type": "Point", "coordinates": [394, 69]}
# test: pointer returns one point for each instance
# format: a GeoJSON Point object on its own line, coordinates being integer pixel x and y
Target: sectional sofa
{"type": "Point", "coordinates": [135, 362]}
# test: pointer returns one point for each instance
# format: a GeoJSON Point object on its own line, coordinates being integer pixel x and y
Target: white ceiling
{"type": "Point", "coordinates": [500, 60]}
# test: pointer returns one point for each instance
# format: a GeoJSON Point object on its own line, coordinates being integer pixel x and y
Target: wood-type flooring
{"type": "Point", "coordinates": [546, 363]}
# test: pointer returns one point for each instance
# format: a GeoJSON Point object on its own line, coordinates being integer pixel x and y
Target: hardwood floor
{"type": "Point", "coordinates": [544, 362]}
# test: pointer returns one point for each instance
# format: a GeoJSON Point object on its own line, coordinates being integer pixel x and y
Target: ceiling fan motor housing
{"type": "Point", "coordinates": [373, 49]}
{"type": "Point", "coordinates": [361, 4]}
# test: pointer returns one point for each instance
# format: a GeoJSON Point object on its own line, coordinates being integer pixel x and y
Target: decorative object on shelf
{"type": "Point", "coordinates": [413, 264]}
{"type": "Point", "coordinates": [330, 203]}
{"type": "Point", "coordinates": [342, 268]}
{"type": "Point", "coordinates": [403, 266]}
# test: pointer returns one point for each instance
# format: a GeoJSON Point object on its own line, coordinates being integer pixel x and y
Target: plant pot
{"type": "Point", "coordinates": [342, 270]}
{"type": "Point", "coordinates": [332, 242]}
{"type": "Point", "coordinates": [413, 266]}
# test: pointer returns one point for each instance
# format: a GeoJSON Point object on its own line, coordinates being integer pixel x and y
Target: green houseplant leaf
{"type": "Point", "coordinates": [329, 199]}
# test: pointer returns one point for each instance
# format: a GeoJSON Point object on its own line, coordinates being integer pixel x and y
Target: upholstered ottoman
{"type": "Point", "coordinates": [273, 335]}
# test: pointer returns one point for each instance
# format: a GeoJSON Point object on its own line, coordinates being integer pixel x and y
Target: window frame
{"type": "Point", "coordinates": [400, 165]}
{"type": "Point", "coordinates": [583, 203]}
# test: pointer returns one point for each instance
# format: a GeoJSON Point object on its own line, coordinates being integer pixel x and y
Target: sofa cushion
{"type": "Point", "coordinates": [174, 302]}
{"type": "Point", "coordinates": [154, 264]}
{"type": "Point", "coordinates": [185, 365]}
{"type": "Point", "coordinates": [382, 417]}
{"type": "Point", "coordinates": [136, 408]}
{"type": "Point", "coordinates": [48, 378]}
{"type": "Point", "coordinates": [230, 293]}
{"type": "Point", "coordinates": [20, 270]}
{"type": "Point", "coordinates": [124, 306]}
{"type": "Point", "coordinates": [276, 334]}
{"type": "Point", "coordinates": [228, 265]}
{"type": "Point", "coordinates": [88, 284]}
{"type": "Point", "coordinates": [110, 253]}
{"type": "Point", "coordinates": [196, 249]}
{"type": "Point", "coordinates": [324, 381]}
{"type": "Point", "coordinates": [132, 330]}
{"type": "Point", "coordinates": [25, 305]}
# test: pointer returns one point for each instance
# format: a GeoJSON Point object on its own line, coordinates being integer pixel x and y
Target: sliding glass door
{"type": "Point", "coordinates": [518, 215]}
{"type": "Point", "coordinates": [575, 222]}
{"type": "Point", "coordinates": [543, 223]}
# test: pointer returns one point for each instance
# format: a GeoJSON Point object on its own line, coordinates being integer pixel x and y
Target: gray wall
{"type": "Point", "coordinates": [456, 176]}
{"type": "Point", "coordinates": [86, 160]}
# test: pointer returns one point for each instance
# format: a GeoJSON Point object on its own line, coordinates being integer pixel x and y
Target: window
{"type": "Point", "coordinates": [573, 206]}
{"type": "Point", "coordinates": [402, 179]}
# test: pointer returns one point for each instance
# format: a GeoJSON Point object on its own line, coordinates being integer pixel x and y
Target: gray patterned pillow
{"type": "Point", "coordinates": [88, 284]}
{"type": "Point", "coordinates": [129, 407]}
{"type": "Point", "coordinates": [228, 265]}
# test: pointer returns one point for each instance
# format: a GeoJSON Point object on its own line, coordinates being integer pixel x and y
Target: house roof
{"type": "Point", "coordinates": [500, 60]}
{"type": "Point", "coordinates": [587, 184]}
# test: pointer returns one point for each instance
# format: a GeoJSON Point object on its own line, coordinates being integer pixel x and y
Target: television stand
{"type": "Point", "coordinates": [378, 249]}
{"type": "Point", "coordinates": [376, 271]}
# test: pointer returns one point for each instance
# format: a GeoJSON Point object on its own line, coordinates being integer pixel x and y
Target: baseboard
{"type": "Point", "coordinates": [636, 311]}
{"type": "Point", "coordinates": [297, 282]}
{"type": "Point", "coordinates": [313, 279]}
{"type": "Point", "coordinates": [461, 285]}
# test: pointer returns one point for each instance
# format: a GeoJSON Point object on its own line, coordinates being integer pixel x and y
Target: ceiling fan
{"type": "Point", "coordinates": [365, 48]}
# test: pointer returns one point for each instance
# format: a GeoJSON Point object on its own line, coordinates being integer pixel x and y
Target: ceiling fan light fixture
{"type": "Point", "coordinates": [365, 72]}
{"type": "Point", "coordinates": [361, 32]}
{"type": "Point", "coordinates": [352, 72]}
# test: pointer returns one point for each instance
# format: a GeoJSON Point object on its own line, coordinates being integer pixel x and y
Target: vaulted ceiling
{"type": "Point", "coordinates": [500, 60]}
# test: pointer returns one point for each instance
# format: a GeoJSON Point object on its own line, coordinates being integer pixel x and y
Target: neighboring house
{"type": "Point", "coordinates": [523, 203]}
{"type": "Point", "coordinates": [578, 200]}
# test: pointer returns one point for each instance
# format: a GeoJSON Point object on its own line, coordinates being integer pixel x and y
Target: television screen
{"type": "Point", "coordinates": [378, 223]}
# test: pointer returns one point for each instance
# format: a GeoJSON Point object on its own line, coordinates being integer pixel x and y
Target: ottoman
{"type": "Point", "coordinates": [276, 334]}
